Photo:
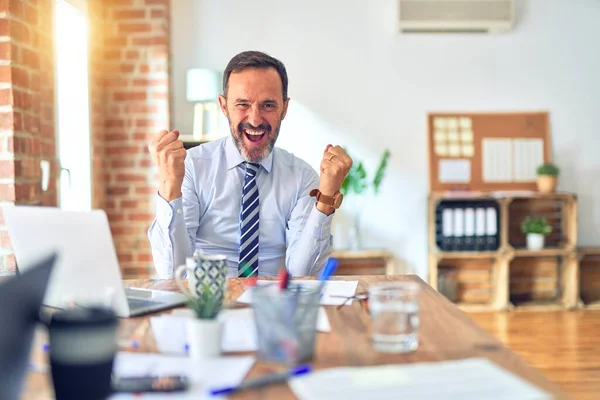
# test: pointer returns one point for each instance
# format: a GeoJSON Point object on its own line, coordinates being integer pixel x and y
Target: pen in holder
{"type": "Point", "coordinates": [286, 322]}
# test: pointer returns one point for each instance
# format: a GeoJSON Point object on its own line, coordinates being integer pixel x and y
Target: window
{"type": "Point", "coordinates": [72, 102]}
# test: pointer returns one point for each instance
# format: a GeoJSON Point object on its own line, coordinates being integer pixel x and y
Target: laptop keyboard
{"type": "Point", "coordinates": [138, 304]}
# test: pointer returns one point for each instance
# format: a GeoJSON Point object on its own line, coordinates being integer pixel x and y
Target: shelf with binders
{"type": "Point", "coordinates": [481, 278]}
{"type": "Point", "coordinates": [466, 228]}
{"type": "Point", "coordinates": [589, 277]}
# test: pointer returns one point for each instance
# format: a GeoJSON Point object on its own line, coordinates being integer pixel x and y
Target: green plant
{"type": "Point", "coordinates": [206, 305]}
{"type": "Point", "coordinates": [536, 225]}
{"type": "Point", "coordinates": [548, 169]}
{"type": "Point", "coordinates": [356, 181]}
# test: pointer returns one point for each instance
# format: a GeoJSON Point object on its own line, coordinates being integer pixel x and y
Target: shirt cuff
{"type": "Point", "coordinates": [320, 224]}
{"type": "Point", "coordinates": [167, 212]}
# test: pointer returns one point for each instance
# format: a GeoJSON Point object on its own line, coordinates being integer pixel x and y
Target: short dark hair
{"type": "Point", "coordinates": [255, 59]}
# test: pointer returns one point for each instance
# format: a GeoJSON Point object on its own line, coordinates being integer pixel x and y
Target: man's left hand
{"type": "Point", "coordinates": [334, 168]}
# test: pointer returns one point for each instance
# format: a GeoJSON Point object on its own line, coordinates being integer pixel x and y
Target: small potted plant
{"type": "Point", "coordinates": [547, 175]}
{"type": "Point", "coordinates": [535, 229]}
{"type": "Point", "coordinates": [203, 330]}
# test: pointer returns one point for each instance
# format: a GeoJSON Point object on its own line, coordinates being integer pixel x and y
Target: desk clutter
{"type": "Point", "coordinates": [88, 357]}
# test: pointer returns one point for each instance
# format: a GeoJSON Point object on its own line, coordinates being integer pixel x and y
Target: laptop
{"type": "Point", "coordinates": [21, 298]}
{"type": "Point", "coordinates": [87, 272]}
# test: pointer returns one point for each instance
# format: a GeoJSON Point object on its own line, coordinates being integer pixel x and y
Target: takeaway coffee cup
{"type": "Point", "coordinates": [83, 344]}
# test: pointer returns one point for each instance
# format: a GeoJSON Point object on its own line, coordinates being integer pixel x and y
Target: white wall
{"type": "Point", "coordinates": [356, 82]}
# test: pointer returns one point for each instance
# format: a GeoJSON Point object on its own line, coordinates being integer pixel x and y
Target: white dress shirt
{"type": "Point", "coordinates": [293, 232]}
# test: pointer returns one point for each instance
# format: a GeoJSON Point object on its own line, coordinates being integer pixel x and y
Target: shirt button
{"type": "Point", "coordinates": [179, 211]}
{"type": "Point", "coordinates": [317, 225]}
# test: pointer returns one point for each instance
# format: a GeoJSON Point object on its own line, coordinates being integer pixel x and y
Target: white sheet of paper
{"type": "Point", "coordinates": [169, 330]}
{"type": "Point", "coordinates": [454, 171]}
{"type": "Point", "coordinates": [474, 378]}
{"type": "Point", "coordinates": [203, 375]}
{"type": "Point", "coordinates": [529, 154]}
{"type": "Point", "coordinates": [497, 160]}
{"type": "Point", "coordinates": [332, 288]}
{"type": "Point", "coordinates": [169, 333]}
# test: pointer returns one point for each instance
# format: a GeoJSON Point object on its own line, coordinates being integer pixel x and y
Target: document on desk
{"type": "Point", "coordinates": [469, 379]}
{"type": "Point", "coordinates": [169, 330]}
{"type": "Point", "coordinates": [334, 293]}
{"type": "Point", "coordinates": [203, 375]}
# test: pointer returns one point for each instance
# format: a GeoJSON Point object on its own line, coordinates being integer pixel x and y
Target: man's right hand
{"type": "Point", "coordinates": [168, 154]}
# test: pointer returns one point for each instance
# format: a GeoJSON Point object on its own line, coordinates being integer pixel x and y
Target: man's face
{"type": "Point", "coordinates": [254, 108]}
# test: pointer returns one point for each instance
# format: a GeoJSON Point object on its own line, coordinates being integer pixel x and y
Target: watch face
{"type": "Point", "coordinates": [337, 200]}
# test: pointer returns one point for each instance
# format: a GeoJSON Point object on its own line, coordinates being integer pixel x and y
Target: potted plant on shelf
{"type": "Point", "coordinates": [203, 330]}
{"type": "Point", "coordinates": [536, 229]}
{"type": "Point", "coordinates": [547, 176]}
{"type": "Point", "coordinates": [356, 182]}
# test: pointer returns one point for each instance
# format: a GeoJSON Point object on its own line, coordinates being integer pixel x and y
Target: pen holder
{"type": "Point", "coordinates": [286, 322]}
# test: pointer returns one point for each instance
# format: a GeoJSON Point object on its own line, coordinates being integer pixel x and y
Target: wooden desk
{"type": "Point", "coordinates": [446, 333]}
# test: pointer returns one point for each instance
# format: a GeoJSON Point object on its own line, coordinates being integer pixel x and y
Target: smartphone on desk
{"type": "Point", "coordinates": [145, 384]}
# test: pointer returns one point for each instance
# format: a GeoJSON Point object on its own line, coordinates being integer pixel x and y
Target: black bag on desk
{"type": "Point", "coordinates": [21, 298]}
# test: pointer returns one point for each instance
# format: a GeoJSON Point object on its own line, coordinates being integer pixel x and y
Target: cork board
{"type": "Point", "coordinates": [486, 151]}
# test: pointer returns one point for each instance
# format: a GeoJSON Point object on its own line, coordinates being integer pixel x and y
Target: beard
{"type": "Point", "coordinates": [254, 153]}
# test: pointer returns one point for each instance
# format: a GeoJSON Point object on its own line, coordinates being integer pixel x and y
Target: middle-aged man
{"type": "Point", "coordinates": [240, 196]}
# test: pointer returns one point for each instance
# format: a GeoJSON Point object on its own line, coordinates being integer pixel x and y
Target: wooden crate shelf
{"type": "Point", "coordinates": [589, 286]}
{"type": "Point", "coordinates": [557, 210]}
{"type": "Point", "coordinates": [535, 281]}
{"type": "Point", "coordinates": [512, 277]}
{"type": "Point", "coordinates": [465, 254]}
{"type": "Point", "coordinates": [364, 262]}
{"type": "Point", "coordinates": [543, 252]}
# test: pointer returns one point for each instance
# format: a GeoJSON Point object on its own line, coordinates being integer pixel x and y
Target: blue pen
{"type": "Point", "coordinates": [263, 381]}
{"type": "Point", "coordinates": [328, 269]}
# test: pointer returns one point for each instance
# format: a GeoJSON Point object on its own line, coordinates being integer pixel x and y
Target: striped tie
{"type": "Point", "coordinates": [248, 265]}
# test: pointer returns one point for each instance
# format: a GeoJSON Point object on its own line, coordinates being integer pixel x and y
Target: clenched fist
{"type": "Point", "coordinates": [334, 168]}
{"type": "Point", "coordinates": [168, 154]}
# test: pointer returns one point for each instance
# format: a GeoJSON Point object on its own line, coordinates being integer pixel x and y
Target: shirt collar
{"type": "Point", "coordinates": [234, 158]}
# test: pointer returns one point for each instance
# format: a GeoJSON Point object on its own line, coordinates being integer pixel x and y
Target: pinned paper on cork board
{"type": "Point", "coordinates": [487, 151]}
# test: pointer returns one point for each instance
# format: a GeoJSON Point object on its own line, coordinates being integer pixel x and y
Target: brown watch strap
{"type": "Point", "coordinates": [334, 201]}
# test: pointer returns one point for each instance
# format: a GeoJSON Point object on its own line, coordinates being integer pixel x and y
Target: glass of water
{"type": "Point", "coordinates": [394, 308]}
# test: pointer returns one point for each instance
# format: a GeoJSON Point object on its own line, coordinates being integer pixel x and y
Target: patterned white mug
{"type": "Point", "coordinates": [203, 270]}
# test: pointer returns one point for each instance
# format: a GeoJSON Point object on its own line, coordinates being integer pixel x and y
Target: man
{"type": "Point", "coordinates": [240, 196]}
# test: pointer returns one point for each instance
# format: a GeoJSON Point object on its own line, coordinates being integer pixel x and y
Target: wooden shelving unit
{"type": "Point", "coordinates": [589, 265]}
{"type": "Point", "coordinates": [364, 262]}
{"type": "Point", "coordinates": [513, 277]}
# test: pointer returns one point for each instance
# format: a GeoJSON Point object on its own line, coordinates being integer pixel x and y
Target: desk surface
{"type": "Point", "coordinates": [446, 333]}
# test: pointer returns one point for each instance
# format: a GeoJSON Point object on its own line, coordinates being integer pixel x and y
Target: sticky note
{"type": "Point", "coordinates": [440, 136]}
{"type": "Point", "coordinates": [439, 123]}
{"type": "Point", "coordinates": [454, 150]}
{"type": "Point", "coordinates": [465, 123]}
{"type": "Point", "coordinates": [441, 150]}
{"type": "Point", "coordinates": [468, 150]}
{"type": "Point", "coordinates": [466, 136]}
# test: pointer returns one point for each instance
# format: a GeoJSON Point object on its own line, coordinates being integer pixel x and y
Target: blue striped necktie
{"type": "Point", "coordinates": [249, 227]}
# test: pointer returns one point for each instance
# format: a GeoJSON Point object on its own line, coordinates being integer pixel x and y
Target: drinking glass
{"type": "Point", "coordinates": [394, 309]}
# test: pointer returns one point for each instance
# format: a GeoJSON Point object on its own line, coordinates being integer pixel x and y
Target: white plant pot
{"type": "Point", "coordinates": [535, 241]}
{"type": "Point", "coordinates": [203, 338]}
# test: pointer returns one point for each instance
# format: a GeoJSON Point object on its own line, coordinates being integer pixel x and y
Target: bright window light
{"type": "Point", "coordinates": [72, 100]}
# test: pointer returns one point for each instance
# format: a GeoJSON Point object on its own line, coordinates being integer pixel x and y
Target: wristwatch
{"type": "Point", "coordinates": [335, 201]}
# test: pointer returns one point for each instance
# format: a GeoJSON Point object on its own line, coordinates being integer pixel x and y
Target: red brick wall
{"type": "Point", "coordinates": [27, 133]}
{"type": "Point", "coordinates": [129, 62]}
{"type": "Point", "coordinates": [136, 106]}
